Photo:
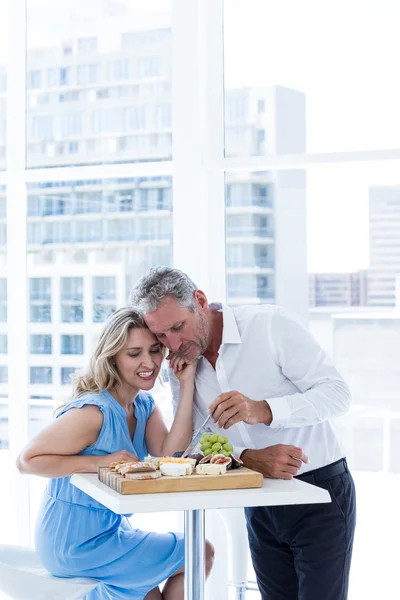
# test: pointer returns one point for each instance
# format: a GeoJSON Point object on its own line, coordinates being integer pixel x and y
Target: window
{"type": "Point", "coordinates": [41, 375]}
{"type": "Point", "coordinates": [3, 374]}
{"type": "Point", "coordinates": [118, 70]}
{"type": "Point", "coordinates": [149, 66]}
{"type": "Point", "coordinates": [72, 344]}
{"type": "Point", "coordinates": [87, 74]}
{"type": "Point", "coordinates": [104, 297]}
{"type": "Point", "coordinates": [72, 299]}
{"type": "Point", "coordinates": [66, 374]}
{"type": "Point", "coordinates": [34, 79]}
{"type": "Point", "coordinates": [3, 343]}
{"type": "Point", "coordinates": [72, 125]}
{"type": "Point", "coordinates": [136, 118]}
{"type": "Point", "coordinates": [40, 300]}
{"type": "Point", "coordinates": [40, 344]}
{"type": "Point", "coordinates": [43, 127]}
{"type": "Point", "coordinates": [87, 45]}
{"type": "Point", "coordinates": [163, 116]}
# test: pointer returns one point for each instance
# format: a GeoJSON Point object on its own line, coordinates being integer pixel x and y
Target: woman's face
{"type": "Point", "coordinates": [139, 360]}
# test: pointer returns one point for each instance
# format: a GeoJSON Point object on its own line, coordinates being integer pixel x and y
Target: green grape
{"type": "Point", "coordinates": [226, 439]}
{"type": "Point", "coordinates": [206, 437]}
{"type": "Point", "coordinates": [206, 445]}
{"type": "Point", "coordinates": [217, 446]}
{"type": "Point", "coordinates": [202, 440]}
{"type": "Point", "coordinates": [224, 452]}
{"type": "Point", "coordinates": [207, 451]}
{"type": "Point", "coordinates": [221, 439]}
{"type": "Point", "coordinates": [214, 438]}
{"type": "Point", "coordinates": [228, 447]}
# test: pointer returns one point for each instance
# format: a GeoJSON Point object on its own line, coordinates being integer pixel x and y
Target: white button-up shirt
{"type": "Point", "coordinates": [267, 355]}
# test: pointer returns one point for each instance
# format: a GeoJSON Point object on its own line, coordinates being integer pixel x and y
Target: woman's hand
{"type": "Point", "coordinates": [183, 370]}
{"type": "Point", "coordinates": [115, 457]}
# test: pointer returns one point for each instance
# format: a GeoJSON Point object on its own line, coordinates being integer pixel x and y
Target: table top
{"type": "Point", "coordinates": [274, 492]}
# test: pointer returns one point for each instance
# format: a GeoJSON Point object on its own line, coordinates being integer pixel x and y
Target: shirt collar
{"type": "Point", "coordinates": [230, 331]}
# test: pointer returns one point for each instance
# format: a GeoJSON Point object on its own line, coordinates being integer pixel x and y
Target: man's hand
{"type": "Point", "coordinates": [231, 407]}
{"type": "Point", "coordinates": [276, 462]}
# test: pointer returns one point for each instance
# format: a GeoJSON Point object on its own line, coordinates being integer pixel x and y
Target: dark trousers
{"type": "Point", "coordinates": [304, 552]}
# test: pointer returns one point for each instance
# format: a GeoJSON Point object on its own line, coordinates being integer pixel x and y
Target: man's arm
{"type": "Point", "coordinates": [322, 394]}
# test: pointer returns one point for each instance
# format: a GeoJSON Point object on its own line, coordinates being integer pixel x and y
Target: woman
{"type": "Point", "coordinates": [111, 418]}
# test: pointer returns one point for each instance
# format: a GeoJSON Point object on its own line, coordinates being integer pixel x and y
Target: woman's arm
{"type": "Point", "coordinates": [53, 452]}
{"type": "Point", "coordinates": [158, 440]}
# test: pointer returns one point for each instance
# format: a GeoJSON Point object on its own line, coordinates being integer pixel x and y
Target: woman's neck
{"type": "Point", "coordinates": [124, 395]}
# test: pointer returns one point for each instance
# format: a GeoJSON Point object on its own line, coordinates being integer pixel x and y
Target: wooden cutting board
{"type": "Point", "coordinates": [233, 479]}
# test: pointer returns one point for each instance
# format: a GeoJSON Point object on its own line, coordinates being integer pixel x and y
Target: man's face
{"type": "Point", "coordinates": [179, 329]}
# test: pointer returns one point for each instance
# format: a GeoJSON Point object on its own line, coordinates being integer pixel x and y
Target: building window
{"type": "Point", "coordinates": [33, 80]}
{"type": "Point", "coordinates": [118, 69]}
{"type": "Point", "coordinates": [40, 299]}
{"type": "Point", "coordinates": [149, 66]}
{"type": "Point", "coordinates": [87, 74]}
{"type": "Point", "coordinates": [3, 343]}
{"type": "Point", "coordinates": [3, 374]}
{"type": "Point", "coordinates": [135, 118]}
{"type": "Point", "coordinates": [41, 375]}
{"type": "Point", "coordinates": [260, 106]}
{"type": "Point", "coordinates": [66, 374]}
{"type": "Point", "coordinates": [43, 127]}
{"type": "Point", "coordinates": [72, 299]}
{"type": "Point", "coordinates": [72, 344]}
{"type": "Point", "coordinates": [40, 344]}
{"type": "Point", "coordinates": [72, 125]}
{"type": "Point", "coordinates": [106, 121]}
{"type": "Point", "coordinates": [104, 298]}
{"type": "Point", "coordinates": [65, 73]}
{"type": "Point", "coordinates": [86, 45]}
{"type": "Point", "coordinates": [163, 116]}
{"type": "Point", "coordinates": [3, 300]}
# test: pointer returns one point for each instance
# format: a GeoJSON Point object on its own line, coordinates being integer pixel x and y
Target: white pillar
{"type": "Point", "coordinates": [197, 112]}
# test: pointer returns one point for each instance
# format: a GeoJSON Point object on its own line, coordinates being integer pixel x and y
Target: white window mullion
{"type": "Point", "coordinates": [16, 256]}
{"type": "Point", "coordinates": [197, 110]}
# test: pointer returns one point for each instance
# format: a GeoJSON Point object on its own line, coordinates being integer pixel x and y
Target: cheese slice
{"type": "Point", "coordinates": [210, 469]}
{"type": "Point", "coordinates": [176, 469]}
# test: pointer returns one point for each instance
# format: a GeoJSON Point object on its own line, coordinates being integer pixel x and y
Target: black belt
{"type": "Point", "coordinates": [324, 473]}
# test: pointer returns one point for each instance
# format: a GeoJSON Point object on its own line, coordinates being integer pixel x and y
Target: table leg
{"type": "Point", "coordinates": [194, 555]}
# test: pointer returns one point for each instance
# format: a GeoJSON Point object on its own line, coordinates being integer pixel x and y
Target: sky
{"type": "Point", "coordinates": [342, 54]}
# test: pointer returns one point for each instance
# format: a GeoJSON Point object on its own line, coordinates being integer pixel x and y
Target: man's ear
{"type": "Point", "coordinates": [200, 299]}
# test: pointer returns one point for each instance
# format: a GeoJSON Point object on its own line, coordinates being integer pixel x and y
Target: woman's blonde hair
{"type": "Point", "coordinates": [102, 373]}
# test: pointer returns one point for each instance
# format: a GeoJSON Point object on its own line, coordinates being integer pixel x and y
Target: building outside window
{"type": "Point", "coordinates": [40, 343]}
{"type": "Point", "coordinates": [71, 344]}
{"type": "Point", "coordinates": [41, 375]}
{"type": "Point", "coordinates": [104, 298]}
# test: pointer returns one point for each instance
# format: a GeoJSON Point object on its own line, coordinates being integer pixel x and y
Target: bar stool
{"type": "Point", "coordinates": [23, 577]}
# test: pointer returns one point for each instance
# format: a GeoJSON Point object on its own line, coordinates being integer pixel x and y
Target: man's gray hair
{"type": "Point", "coordinates": [158, 283]}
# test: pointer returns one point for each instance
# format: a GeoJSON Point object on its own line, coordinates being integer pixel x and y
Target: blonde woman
{"type": "Point", "coordinates": [111, 417]}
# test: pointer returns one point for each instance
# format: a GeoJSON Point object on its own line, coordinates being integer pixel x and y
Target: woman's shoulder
{"type": "Point", "coordinates": [86, 399]}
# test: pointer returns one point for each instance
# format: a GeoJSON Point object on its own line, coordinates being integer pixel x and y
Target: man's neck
{"type": "Point", "coordinates": [214, 344]}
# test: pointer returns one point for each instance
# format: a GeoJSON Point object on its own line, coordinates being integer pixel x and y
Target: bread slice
{"type": "Point", "coordinates": [152, 475]}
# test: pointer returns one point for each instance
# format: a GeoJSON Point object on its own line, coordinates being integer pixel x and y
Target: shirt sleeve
{"type": "Point", "coordinates": [322, 395]}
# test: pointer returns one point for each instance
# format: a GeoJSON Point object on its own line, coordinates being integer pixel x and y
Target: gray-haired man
{"type": "Point", "coordinates": [268, 381]}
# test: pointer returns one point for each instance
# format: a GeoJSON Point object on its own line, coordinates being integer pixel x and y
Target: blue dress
{"type": "Point", "coordinates": [76, 536]}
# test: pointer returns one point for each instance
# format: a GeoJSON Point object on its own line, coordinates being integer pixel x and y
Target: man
{"type": "Point", "coordinates": [266, 379]}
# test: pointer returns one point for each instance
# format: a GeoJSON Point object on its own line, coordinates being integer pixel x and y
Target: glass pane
{"type": "Point", "coordinates": [3, 80]}
{"type": "Point", "coordinates": [98, 82]}
{"type": "Point", "coordinates": [337, 228]}
{"type": "Point", "coordinates": [88, 241]}
{"type": "Point", "coordinates": [302, 79]}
